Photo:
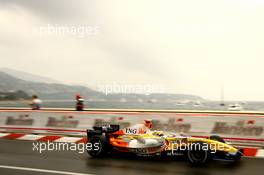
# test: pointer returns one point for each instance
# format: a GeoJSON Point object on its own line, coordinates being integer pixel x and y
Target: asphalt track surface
{"type": "Point", "coordinates": [15, 156]}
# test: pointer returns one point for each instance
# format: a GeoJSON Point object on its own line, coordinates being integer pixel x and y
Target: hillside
{"type": "Point", "coordinates": [27, 76]}
{"type": "Point", "coordinates": [44, 90]}
{"type": "Point", "coordinates": [16, 95]}
{"type": "Point", "coordinates": [55, 91]}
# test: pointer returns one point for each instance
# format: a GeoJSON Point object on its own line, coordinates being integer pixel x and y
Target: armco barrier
{"type": "Point", "coordinates": [247, 127]}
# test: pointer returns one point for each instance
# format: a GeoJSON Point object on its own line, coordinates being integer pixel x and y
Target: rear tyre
{"type": "Point", "coordinates": [98, 146]}
{"type": "Point", "coordinates": [199, 153]}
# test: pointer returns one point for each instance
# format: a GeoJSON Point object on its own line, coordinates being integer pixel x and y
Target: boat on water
{"type": "Point", "coordinates": [235, 107]}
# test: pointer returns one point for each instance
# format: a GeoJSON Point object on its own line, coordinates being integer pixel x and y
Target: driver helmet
{"type": "Point", "coordinates": [148, 123]}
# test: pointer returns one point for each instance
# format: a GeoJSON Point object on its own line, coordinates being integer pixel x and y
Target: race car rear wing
{"type": "Point", "coordinates": [99, 130]}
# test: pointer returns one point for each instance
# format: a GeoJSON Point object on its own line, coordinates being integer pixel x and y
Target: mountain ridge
{"type": "Point", "coordinates": [28, 76]}
{"type": "Point", "coordinates": [58, 91]}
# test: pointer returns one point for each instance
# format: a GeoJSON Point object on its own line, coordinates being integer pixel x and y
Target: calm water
{"type": "Point", "coordinates": [206, 105]}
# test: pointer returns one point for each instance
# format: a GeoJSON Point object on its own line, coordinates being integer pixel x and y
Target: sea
{"type": "Point", "coordinates": [189, 105]}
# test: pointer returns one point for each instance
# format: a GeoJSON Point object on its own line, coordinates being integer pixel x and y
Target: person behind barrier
{"type": "Point", "coordinates": [35, 103]}
{"type": "Point", "coordinates": [79, 103]}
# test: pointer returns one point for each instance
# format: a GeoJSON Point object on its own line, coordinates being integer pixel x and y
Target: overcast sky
{"type": "Point", "coordinates": [185, 46]}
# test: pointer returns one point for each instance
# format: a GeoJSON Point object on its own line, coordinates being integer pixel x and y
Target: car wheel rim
{"type": "Point", "coordinates": [198, 156]}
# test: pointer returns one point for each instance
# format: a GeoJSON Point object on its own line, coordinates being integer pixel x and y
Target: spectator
{"type": "Point", "coordinates": [36, 103]}
{"type": "Point", "coordinates": [79, 103]}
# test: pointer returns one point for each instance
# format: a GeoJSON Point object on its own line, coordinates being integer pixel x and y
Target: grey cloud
{"type": "Point", "coordinates": [133, 57]}
{"type": "Point", "coordinates": [56, 10]}
{"type": "Point", "coordinates": [137, 39]}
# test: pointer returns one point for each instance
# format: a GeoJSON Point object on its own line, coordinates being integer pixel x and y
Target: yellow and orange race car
{"type": "Point", "coordinates": [139, 140]}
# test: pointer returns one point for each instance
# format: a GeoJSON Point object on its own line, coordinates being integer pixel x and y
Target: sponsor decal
{"type": "Point", "coordinates": [64, 121]}
{"type": "Point", "coordinates": [151, 150]}
{"type": "Point", "coordinates": [180, 140]}
{"type": "Point", "coordinates": [135, 131]}
{"type": "Point", "coordinates": [140, 150]}
{"type": "Point", "coordinates": [130, 130]}
{"type": "Point", "coordinates": [22, 119]}
{"type": "Point", "coordinates": [242, 127]}
{"type": "Point", "coordinates": [141, 131]}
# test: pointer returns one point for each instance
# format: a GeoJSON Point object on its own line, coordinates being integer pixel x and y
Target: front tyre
{"type": "Point", "coordinates": [98, 146]}
{"type": "Point", "coordinates": [199, 153]}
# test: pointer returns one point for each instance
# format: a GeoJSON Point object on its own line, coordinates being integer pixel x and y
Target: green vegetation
{"type": "Point", "coordinates": [16, 95]}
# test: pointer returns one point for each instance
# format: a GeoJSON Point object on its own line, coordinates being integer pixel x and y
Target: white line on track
{"type": "Point", "coordinates": [41, 170]}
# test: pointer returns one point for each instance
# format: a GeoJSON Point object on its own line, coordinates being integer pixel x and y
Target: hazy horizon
{"type": "Point", "coordinates": [186, 47]}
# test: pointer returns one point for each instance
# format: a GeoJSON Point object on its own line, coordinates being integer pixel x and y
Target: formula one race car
{"type": "Point", "coordinates": [139, 140]}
